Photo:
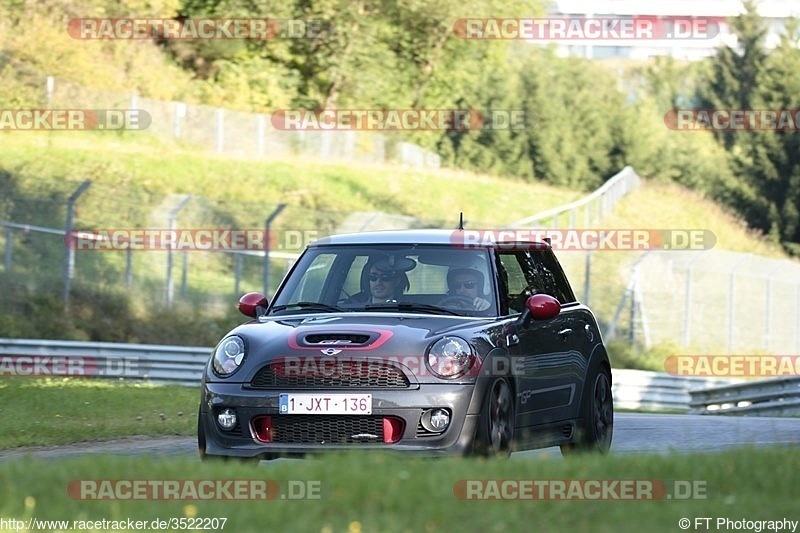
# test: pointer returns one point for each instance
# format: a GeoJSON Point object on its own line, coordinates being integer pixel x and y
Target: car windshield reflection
{"type": "Point", "coordinates": [428, 279]}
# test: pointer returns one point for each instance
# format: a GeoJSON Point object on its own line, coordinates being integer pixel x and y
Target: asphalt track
{"type": "Point", "coordinates": [634, 433]}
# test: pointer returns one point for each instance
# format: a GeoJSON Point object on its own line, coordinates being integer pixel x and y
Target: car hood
{"type": "Point", "coordinates": [356, 335]}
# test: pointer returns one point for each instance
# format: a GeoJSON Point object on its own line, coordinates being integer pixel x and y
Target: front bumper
{"type": "Point", "coordinates": [405, 404]}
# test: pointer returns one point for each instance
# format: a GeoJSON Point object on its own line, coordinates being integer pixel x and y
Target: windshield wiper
{"type": "Point", "coordinates": [312, 306]}
{"type": "Point", "coordinates": [410, 306]}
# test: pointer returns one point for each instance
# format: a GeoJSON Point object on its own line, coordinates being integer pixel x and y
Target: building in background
{"type": "Point", "coordinates": [776, 13]}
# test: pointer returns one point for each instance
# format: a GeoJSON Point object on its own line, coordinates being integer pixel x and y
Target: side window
{"type": "Point", "coordinates": [534, 272]}
{"type": "Point", "coordinates": [521, 279]}
{"type": "Point", "coordinates": [553, 278]}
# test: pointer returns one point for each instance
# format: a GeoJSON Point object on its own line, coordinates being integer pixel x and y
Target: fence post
{"type": "Point", "coordinates": [179, 112]}
{"type": "Point", "coordinates": [69, 263]}
{"type": "Point", "coordinates": [267, 237]}
{"type": "Point", "coordinates": [797, 318]}
{"type": "Point", "coordinates": [768, 302]}
{"type": "Point", "coordinates": [260, 130]}
{"type": "Point", "coordinates": [49, 89]}
{"type": "Point", "coordinates": [237, 272]}
{"type": "Point", "coordinates": [731, 294]}
{"type": "Point", "coordinates": [128, 267]}
{"type": "Point", "coordinates": [220, 129]}
{"type": "Point", "coordinates": [184, 270]}
{"type": "Point", "coordinates": [9, 249]}
{"type": "Point", "coordinates": [171, 226]}
{"type": "Point", "coordinates": [687, 321]}
{"type": "Point", "coordinates": [587, 284]}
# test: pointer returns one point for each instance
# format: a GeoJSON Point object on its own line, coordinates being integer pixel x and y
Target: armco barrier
{"type": "Point", "coordinates": [764, 397]}
{"type": "Point", "coordinates": [632, 389]}
{"type": "Point", "coordinates": [148, 362]}
{"type": "Point", "coordinates": [640, 389]}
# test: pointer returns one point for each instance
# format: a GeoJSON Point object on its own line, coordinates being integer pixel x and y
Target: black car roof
{"type": "Point", "coordinates": [472, 238]}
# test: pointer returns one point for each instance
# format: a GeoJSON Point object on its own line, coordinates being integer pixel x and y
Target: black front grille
{"type": "Point", "coordinates": [328, 429]}
{"type": "Point", "coordinates": [343, 374]}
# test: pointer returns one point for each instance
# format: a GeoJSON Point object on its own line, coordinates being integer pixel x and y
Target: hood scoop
{"type": "Point", "coordinates": [323, 340]}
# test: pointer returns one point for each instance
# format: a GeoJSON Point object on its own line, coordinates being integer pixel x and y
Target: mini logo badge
{"type": "Point", "coordinates": [330, 351]}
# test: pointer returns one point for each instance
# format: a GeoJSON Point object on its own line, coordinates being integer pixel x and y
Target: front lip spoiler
{"type": "Point", "coordinates": [461, 446]}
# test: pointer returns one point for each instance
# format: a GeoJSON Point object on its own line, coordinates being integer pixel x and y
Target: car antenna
{"type": "Point", "coordinates": [461, 220]}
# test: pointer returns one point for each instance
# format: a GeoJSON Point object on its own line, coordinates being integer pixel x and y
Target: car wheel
{"type": "Point", "coordinates": [495, 433]}
{"type": "Point", "coordinates": [597, 412]}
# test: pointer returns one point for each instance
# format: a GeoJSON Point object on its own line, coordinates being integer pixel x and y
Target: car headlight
{"type": "Point", "coordinates": [449, 357]}
{"type": "Point", "coordinates": [228, 356]}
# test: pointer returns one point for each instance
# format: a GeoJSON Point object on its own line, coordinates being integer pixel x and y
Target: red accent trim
{"type": "Point", "coordinates": [383, 336]}
{"type": "Point", "coordinates": [392, 429]}
{"type": "Point", "coordinates": [262, 428]}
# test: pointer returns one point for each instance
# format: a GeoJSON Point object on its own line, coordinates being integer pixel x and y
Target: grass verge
{"type": "Point", "coordinates": [375, 492]}
{"type": "Point", "coordinates": [53, 411]}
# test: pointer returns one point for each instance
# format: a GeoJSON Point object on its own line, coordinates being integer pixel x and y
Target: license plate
{"type": "Point", "coordinates": [326, 404]}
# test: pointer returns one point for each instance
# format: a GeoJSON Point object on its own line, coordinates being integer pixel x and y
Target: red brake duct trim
{"type": "Point", "coordinates": [262, 428]}
{"type": "Point", "coordinates": [392, 429]}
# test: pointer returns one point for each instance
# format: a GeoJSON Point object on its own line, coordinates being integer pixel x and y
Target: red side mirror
{"type": "Point", "coordinates": [249, 303]}
{"type": "Point", "coordinates": [543, 306]}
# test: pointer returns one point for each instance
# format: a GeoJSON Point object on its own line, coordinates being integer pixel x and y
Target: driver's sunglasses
{"type": "Point", "coordinates": [465, 284]}
{"type": "Point", "coordinates": [382, 277]}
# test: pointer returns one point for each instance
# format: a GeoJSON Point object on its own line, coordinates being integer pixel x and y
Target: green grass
{"type": "Point", "coordinates": [53, 411]}
{"type": "Point", "coordinates": [374, 492]}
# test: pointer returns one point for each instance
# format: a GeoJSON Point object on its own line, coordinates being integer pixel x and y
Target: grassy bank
{"type": "Point", "coordinates": [368, 492]}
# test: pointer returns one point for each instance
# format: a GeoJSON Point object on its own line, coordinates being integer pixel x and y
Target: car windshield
{"type": "Point", "coordinates": [430, 279]}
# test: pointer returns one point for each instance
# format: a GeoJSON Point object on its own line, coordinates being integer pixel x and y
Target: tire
{"type": "Point", "coordinates": [495, 433]}
{"type": "Point", "coordinates": [597, 413]}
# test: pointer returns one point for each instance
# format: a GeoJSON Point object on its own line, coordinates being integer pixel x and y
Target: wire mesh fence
{"type": "Point", "coordinates": [243, 134]}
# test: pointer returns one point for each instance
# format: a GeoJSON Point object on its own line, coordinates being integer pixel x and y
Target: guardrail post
{"type": "Point", "coordinates": [267, 238]}
{"type": "Point", "coordinates": [69, 262]}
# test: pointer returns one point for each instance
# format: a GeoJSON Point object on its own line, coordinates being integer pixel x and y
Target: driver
{"type": "Point", "coordinates": [467, 283]}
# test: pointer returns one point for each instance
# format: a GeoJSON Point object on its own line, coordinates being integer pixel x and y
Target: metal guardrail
{"type": "Point", "coordinates": [640, 389]}
{"type": "Point", "coordinates": [764, 397]}
{"type": "Point", "coordinates": [144, 362]}
{"type": "Point", "coordinates": [183, 365]}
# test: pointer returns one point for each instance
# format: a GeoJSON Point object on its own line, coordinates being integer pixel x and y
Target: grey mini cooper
{"type": "Point", "coordinates": [428, 341]}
